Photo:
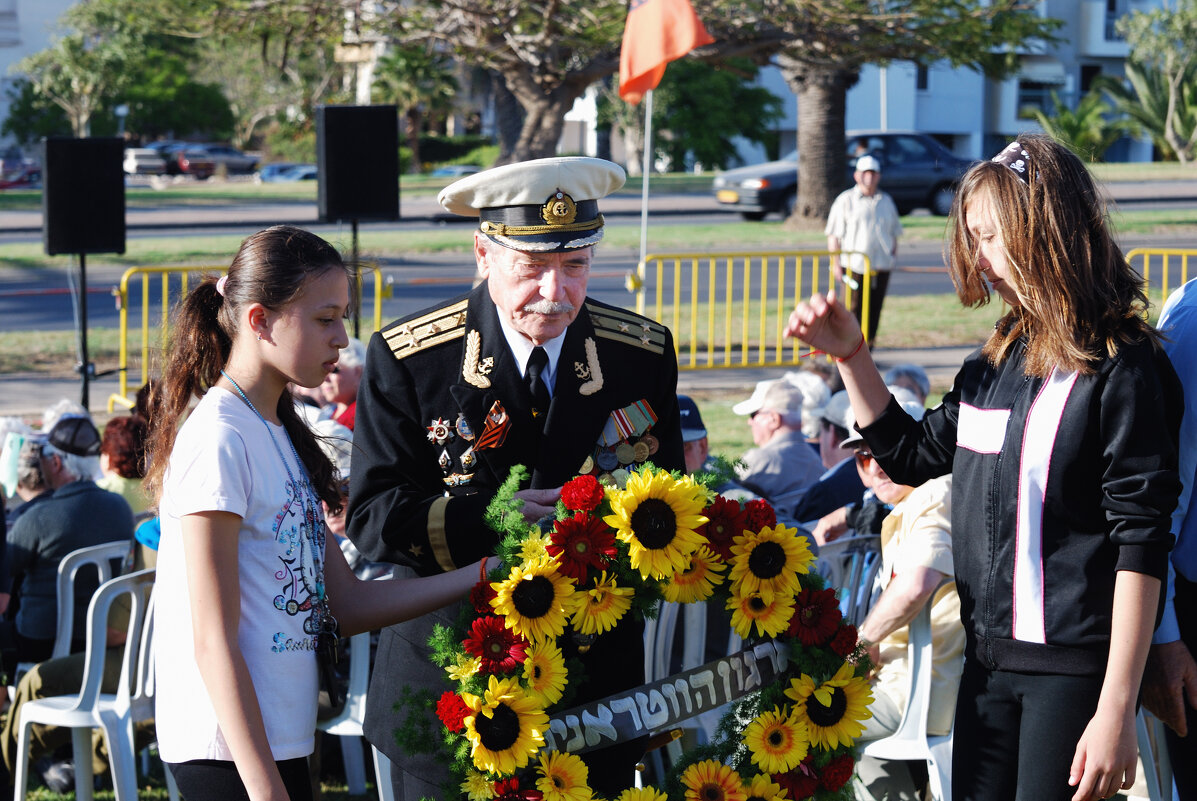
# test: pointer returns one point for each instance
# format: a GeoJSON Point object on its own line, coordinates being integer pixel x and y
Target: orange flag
{"type": "Point", "coordinates": [657, 32]}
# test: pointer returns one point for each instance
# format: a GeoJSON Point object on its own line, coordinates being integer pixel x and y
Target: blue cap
{"type": "Point", "coordinates": [692, 426]}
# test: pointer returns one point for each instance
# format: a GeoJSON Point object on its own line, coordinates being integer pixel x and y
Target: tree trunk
{"type": "Point", "coordinates": [413, 140]}
{"type": "Point", "coordinates": [509, 119]}
{"type": "Point", "coordinates": [544, 115]}
{"type": "Point", "coordinates": [822, 100]}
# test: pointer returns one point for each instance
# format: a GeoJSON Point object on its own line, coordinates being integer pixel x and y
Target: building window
{"type": "Point", "coordinates": [1088, 73]}
{"type": "Point", "coordinates": [1033, 94]}
{"type": "Point", "coordinates": [920, 78]}
{"type": "Point", "coordinates": [1115, 10]}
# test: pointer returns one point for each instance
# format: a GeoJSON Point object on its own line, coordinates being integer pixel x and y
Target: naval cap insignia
{"type": "Point", "coordinates": [559, 209]}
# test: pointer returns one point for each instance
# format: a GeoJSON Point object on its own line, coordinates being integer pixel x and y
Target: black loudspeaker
{"type": "Point", "coordinates": [83, 196]}
{"type": "Point", "coordinates": [357, 156]}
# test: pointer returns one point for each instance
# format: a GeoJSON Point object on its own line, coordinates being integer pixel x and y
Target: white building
{"type": "Point", "coordinates": [25, 28]}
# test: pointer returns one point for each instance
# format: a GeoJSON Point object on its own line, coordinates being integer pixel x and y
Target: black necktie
{"type": "Point", "coordinates": [537, 364]}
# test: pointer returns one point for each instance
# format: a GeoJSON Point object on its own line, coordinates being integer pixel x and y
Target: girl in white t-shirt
{"type": "Point", "coordinates": [246, 591]}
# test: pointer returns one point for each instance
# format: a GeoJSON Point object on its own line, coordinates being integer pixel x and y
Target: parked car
{"type": "Point", "coordinates": [299, 172]}
{"type": "Point", "coordinates": [190, 160]}
{"type": "Point", "coordinates": [916, 170]}
{"type": "Point", "coordinates": [455, 170]}
{"type": "Point", "coordinates": [26, 176]}
{"type": "Point", "coordinates": [144, 161]}
{"type": "Point", "coordinates": [234, 161]}
{"type": "Point", "coordinates": [269, 173]}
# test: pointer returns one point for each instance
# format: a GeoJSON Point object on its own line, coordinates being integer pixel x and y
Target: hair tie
{"type": "Point", "coordinates": [1014, 156]}
{"type": "Point", "coordinates": [221, 282]}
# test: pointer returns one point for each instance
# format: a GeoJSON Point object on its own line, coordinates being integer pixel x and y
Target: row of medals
{"type": "Point", "coordinates": [606, 460]}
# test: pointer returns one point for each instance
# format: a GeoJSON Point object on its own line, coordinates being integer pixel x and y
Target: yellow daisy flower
{"type": "Point", "coordinates": [478, 787]}
{"type": "Point", "coordinates": [712, 781]}
{"type": "Point", "coordinates": [771, 615]}
{"type": "Point", "coordinates": [463, 666]}
{"type": "Point", "coordinates": [834, 709]}
{"type": "Point", "coordinates": [507, 727]}
{"type": "Point", "coordinates": [697, 582]}
{"type": "Point", "coordinates": [776, 742]}
{"type": "Point", "coordinates": [544, 672]}
{"type": "Point", "coordinates": [657, 516]}
{"type": "Point", "coordinates": [535, 600]}
{"type": "Point", "coordinates": [600, 607]}
{"type": "Point", "coordinates": [770, 560]}
{"type": "Point", "coordinates": [641, 794]}
{"type": "Point", "coordinates": [763, 788]}
{"type": "Point", "coordinates": [564, 777]}
{"type": "Point", "coordinates": [533, 548]}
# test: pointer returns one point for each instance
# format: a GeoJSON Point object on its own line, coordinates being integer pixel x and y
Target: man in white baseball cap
{"type": "Point", "coordinates": [783, 464]}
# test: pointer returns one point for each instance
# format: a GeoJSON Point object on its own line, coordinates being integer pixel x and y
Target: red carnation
{"type": "Point", "coordinates": [844, 641]}
{"type": "Point", "coordinates": [725, 522]}
{"type": "Point", "coordinates": [452, 711]}
{"type": "Point", "coordinates": [759, 514]}
{"type": "Point", "coordinates": [837, 772]}
{"type": "Point", "coordinates": [816, 616]}
{"type": "Point", "coordinates": [798, 783]}
{"type": "Point", "coordinates": [581, 542]}
{"type": "Point", "coordinates": [500, 649]}
{"type": "Point", "coordinates": [509, 790]}
{"type": "Point", "coordinates": [583, 493]}
{"type": "Point", "coordinates": [481, 595]}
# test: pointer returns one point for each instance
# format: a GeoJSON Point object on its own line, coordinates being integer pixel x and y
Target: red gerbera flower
{"type": "Point", "coordinates": [509, 790]}
{"type": "Point", "coordinates": [837, 772]}
{"type": "Point", "coordinates": [759, 514]}
{"type": "Point", "coordinates": [725, 521]}
{"type": "Point", "coordinates": [452, 711]}
{"type": "Point", "coordinates": [500, 649]}
{"type": "Point", "coordinates": [581, 542]}
{"type": "Point", "coordinates": [480, 597]}
{"type": "Point", "coordinates": [582, 494]}
{"type": "Point", "coordinates": [816, 616]}
{"type": "Point", "coordinates": [844, 641]}
{"type": "Point", "coordinates": [799, 783]}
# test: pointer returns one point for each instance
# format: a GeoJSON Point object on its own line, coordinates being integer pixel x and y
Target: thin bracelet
{"type": "Point", "coordinates": [482, 569]}
{"type": "Point", "coordinates": [859, 345]}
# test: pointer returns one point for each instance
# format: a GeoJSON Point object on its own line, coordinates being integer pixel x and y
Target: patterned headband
{"type": "Point", "coordinates": [1015, 157]}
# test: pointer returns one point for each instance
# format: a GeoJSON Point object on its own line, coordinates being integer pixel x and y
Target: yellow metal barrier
{"type": "Point", "coordinates": [729, 309]}
{"type": "Point", "coordinates": [172, 284]}
{"type": "Point", "coordinates": [1166, 258]}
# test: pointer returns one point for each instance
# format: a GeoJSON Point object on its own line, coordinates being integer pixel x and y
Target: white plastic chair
{"type": "Point", "coordinates": [910, 741]}
{"type": "Point", "coordinates": [1153, 753]}
{"type": "Point", "coordinates": [851, 564]}
{"type": "Point", "coordinates": [101, 557]}
{"type": "Point", "coordinates": [90, 708]}
{"type": "Point", "coordinates": [348, 725]}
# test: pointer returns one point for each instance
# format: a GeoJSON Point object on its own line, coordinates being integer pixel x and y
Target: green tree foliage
{"type": "Point", "coordinates": [1088, 129]}
{"type": "Point", "coordinates": [31, 117]}
{"type": "Point", "coordinates": [417, 80]}
{"type": "Point", "coordinates": [1144, 98]}
{"type": "Point", "coordinates": [1163, 43]}
{"type": "Point", "coordinates": [698, 111]}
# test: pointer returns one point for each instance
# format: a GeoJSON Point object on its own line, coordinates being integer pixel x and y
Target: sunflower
{"type": "Point", "coordinates": [563, 777]}
{"type": "Point", "coordinates": [463, 666]}
{"type": "Point", "coordinates": [657, 516]}
{"type": "Point", "coordinates": [834, 709]}
{"type": "Point", "coordinates": [499, 649]}
{"type": "Point", "coordinates": [506, 727]}
{"type": "Point", "coordinates": [763, 788]}
{"type": "Point", "coordinates": [601, 606]}
{"type": "Point", "coordinates": [769, 614]}
{"type": "Point", "coordinates": [641, 794]}
{"type": "Point", "coordinates": [535, 600]}
{"type": "Point", "coordinates": [478, 787]}
{"type": "Point", "coordinates": [712, 781]}
{"type": "Point", "coordinates": [579, 543]}
{"type": "Point", "coordinates": [535, 546]}
{"type": "Point", "coordinates": [544, 672]}
{"type": "Point", "coordinates": [776, 742]}
{"type": "Point", "coordinates": [769, 561]}
{"type": "Point", "coordinates": [697, 582]}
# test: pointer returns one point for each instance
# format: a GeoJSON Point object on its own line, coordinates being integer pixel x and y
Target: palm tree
{"type": "Point", "coordinates": [1145, 102]}
{"type": "Point", "coordinates": [415, 79]}
{"type": "Point", "coordinates": [1088, 129]}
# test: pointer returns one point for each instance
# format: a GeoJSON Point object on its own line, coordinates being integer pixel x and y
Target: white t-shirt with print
{"type": "Point", "coordinates": [224, 460]}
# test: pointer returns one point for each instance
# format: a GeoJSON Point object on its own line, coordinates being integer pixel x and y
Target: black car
{"type": "Point", "coordinates": [916, 170]}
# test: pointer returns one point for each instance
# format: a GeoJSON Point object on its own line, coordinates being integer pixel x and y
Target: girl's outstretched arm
{"type": "Point", "coordinates": [826, 324]}
{"type": "Point", "coordinates": [1106, 754]}
{"type": "Point", "coordinates": [366, 605]}
{"type": "Point", "coordinates": [210, 548]}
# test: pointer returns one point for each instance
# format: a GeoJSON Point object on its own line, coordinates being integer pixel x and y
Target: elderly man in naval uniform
{"type": "Point", "coordinates": [523, 370]}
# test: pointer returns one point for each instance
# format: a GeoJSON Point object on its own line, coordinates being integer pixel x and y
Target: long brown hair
{"type": "Point", "coordinates": [1079, 296]}
{"type": "Point", "coordinates": [271, 268]}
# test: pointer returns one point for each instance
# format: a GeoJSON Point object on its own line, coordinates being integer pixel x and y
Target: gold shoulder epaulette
{"type": "Point", "coordinates": [627, 327]}
{"type": "Point", "coordinates": [437, 326]}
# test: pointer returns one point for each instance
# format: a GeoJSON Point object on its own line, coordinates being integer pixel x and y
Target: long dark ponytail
{"type": "Point", "coordinates": [271, 268]}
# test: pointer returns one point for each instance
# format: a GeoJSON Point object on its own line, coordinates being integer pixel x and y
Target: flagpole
{"type": "Point", "coordinates": [648, 151]}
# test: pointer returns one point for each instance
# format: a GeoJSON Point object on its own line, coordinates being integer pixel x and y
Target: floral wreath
{"type": "Point", "coordinates": [618, 550]}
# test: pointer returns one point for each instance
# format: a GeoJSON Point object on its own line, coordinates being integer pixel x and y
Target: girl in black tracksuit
{"type": "Point", "coordinates": [1061, 435]}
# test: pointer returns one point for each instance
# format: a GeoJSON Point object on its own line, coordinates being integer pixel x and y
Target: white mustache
{"type": "Point", "coordinates": [548, 307]}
